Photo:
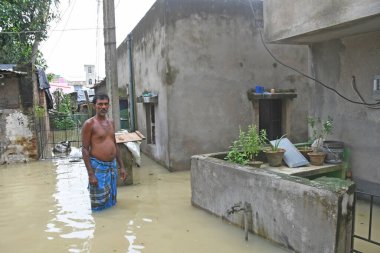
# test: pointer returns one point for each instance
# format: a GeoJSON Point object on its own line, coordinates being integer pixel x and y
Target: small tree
{"type": "Point", "coordinates": [320, 129]}
{"type": "Point", "coordinates": [24, 24]}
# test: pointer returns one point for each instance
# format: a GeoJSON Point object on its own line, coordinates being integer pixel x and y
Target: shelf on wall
{"type": "Point", "coordinates": [147, 99]}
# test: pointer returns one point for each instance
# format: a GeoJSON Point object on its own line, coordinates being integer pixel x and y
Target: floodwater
{"type": "Point", "coordinates": [45, 208]}
{"type": "Point", "coordinates": [362, 226]}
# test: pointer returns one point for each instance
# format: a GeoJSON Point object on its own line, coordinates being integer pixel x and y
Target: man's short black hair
{"type": "Point", "coordinates": [100, 96]}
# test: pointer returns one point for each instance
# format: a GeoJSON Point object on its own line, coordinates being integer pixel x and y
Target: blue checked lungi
{"type": "Point", "coordinates": [104, 195]}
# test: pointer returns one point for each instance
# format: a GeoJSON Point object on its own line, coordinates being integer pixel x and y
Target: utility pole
{"type": "Point", "coordinates": [111, 60]}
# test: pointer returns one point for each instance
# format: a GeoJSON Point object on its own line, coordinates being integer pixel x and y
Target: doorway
{"type": "Point", "coordinates": [270, 114]}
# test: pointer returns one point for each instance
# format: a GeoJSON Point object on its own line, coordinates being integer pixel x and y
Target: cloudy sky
{"type": "Point", "coordinates": [77, 38]}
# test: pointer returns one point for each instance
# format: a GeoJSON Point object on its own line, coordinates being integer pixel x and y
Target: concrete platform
{"type": "Point", "coordinates": [301, 214]}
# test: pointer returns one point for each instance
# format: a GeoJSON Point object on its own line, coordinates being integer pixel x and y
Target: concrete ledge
{"type": "Point", "coordinates": [301, 214]}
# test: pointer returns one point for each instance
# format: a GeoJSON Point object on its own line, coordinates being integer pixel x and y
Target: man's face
{"type": "Point", "coordinates": [102, 106]}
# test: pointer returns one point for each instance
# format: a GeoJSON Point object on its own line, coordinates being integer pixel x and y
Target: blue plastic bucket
{"type": "Point", "coordinates": [259, 89]}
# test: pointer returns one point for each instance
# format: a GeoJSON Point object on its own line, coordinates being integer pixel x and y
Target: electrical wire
{"type": "Point", "coordinates": [57, 30]}
{"type": "Point", "coordinates": [353, 83]}
{"type": "Point", "coordinates": [305, 75]}
{"type": "Point", "coordinates": [64, 27]}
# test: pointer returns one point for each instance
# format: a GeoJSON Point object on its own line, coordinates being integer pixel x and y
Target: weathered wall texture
{"type": "Point", "coordinates": [305, 21]}
{"type": "Point", "coordinates": [201, 57]}
{"type": "Point", "coordinates": [291, 211]}
{"type": "Point", "coordinates": [149, 72]}
{"type": "Point", "coordinates": [17, 136]}
{"type": "Point", "coordinates": [335, 62]}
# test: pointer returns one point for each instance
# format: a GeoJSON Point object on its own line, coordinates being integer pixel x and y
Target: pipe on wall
{"type": "Point", "coordinates": [131, 87]}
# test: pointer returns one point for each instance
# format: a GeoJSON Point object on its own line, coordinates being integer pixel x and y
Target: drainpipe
{"type": "Point", "coordinates": [131, 87]}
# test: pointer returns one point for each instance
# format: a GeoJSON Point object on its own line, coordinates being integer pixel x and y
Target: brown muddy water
{"type": "Point", "coordinates": [362, 227]}
{"type": "Point", "coordinates": [45, 208]}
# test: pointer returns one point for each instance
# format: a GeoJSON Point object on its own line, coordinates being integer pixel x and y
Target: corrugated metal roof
{"type": "Point", "coordinates": [7, 66]}
{"type": "Point", "coordinates": [12, 72]}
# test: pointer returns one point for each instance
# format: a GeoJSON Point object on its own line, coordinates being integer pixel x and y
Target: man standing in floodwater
{"type": "Point", "coordinates": [100, 153]}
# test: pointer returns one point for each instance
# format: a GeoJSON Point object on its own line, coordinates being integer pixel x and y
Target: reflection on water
{"type": "Point", "coordinates": [46, 208]}
{"type": "Point", "coordinates": [73, 217]}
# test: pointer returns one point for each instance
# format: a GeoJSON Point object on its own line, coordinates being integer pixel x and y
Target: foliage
{"type": "Point", "coordinates": [275, 146]}
{"type": "Point", "coordinates": [23, 24]}
{"type": "Point", "coordinates": [51, 76]}
{"type": "Point", "coordinates": [320, 129]}
{"type": "Point", "coordinates": [39, 111]}
{"type": "Point", "coordinates": [236, 155]}
{"type": "Point", "coordinates": [62, 118]}
{"type": "Point", "coordinates": [247, 146]}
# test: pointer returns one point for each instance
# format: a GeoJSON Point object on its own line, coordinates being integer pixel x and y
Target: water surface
{"type": "Point", "coordinates": [46, 208]}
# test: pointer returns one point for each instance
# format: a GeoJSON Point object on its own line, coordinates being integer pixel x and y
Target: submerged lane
{"type": "Point", "coordinates": [46, 208]}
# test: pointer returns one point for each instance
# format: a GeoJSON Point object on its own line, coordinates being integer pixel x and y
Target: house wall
{"type": "Point", "coordinates": [201, 57]}
{"type": "Point", "coordinates": [306, 21]}
{"type": "Point", "coordinates": [18, 140]}
{"type": "Point", "coordinates": [334, 63]}
{"type": "Point", "coordinates": [346, 44]}
{"type": "Point", "coordinates": [149, 58]}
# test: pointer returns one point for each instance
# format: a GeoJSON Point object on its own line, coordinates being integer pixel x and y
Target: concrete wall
{"type": "Point", "coordinates": [18, 140]}
{"type": "Point", "coordinates": [149, 57]}
{"type": "Point", "coordinates": [301, 215]}
{"type": "Point", "coordinates": [305, 21]}
{"type": "Point", "coordinates": [201, 57]}
{"type": "Point", "coordinates": [335, 62]}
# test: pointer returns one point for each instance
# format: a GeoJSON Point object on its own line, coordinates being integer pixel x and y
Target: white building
{"type": "Point", "coordinates": [90, 75]}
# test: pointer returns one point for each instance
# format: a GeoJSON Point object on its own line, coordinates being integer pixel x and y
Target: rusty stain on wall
{"type": "Point", "coordinates": [20, 143]}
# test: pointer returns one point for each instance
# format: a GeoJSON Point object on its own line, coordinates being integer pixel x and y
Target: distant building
{"type": "Point", "coordinates": [90, 75]}
{"type": "Point", "coordinates": [61, 83]}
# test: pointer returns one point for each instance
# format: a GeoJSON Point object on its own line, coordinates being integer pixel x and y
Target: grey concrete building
{"type": "Point", "coordinates": [19, 97]}
{"type": "Point", "coordinates": [344, 41]}
{"type": "Point", "coordinates": [195, 61]}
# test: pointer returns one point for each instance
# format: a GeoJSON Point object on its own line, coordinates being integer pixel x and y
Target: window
{"type": "Point", "coordinates": [89, 70]}
{"type": "Point", "coordinates": [90, 81]}
{"type": "Point", "coordinates": [150, 124]}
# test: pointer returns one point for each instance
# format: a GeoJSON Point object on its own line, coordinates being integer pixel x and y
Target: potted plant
{"type": "Point", "coordinates": [274, 153]}
{"type": "Point", "coordinates": [248, 145]}
{"type": "Point", "coordinates": [320, 129]}
{"type": "Point", "coordinates": [304, 149]}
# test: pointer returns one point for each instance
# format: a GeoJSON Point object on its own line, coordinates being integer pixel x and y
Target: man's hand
{"type": "Point", "coordinates": [93, 180]}
{"type": "Point", "coordinates": [123, 174]}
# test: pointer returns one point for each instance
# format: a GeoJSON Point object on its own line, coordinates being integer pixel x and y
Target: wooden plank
{"type": "Point", "coordinates": [140, 134]}
{"type": "Point", "coordinates": [126, 137]}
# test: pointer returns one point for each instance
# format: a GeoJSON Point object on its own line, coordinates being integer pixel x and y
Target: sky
{"type": "Point", "coordinates": [81, 43]}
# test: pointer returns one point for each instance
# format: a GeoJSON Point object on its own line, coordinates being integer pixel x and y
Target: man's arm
{"type": "Point", "coordinates": [86, 143]}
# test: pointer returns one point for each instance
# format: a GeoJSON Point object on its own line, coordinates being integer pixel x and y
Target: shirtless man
{"type": "Point", "coordinates": [100, 153]}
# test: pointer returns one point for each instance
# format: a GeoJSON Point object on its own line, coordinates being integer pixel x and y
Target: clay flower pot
{"type": "Point", "coordinates": [304, 151]}
{"type": "Point", "coordinates": [274, 157]}
{"type": "Point", "coordinates": [317, 158]}
{"type": "Point", "coordinates": [255, 164]}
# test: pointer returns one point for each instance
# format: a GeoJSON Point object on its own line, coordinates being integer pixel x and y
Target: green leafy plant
{"type": "Point", "coordinates": [62, 118]}
{"type": "Point", "coordinates": [320, 129]}
{"type": "Point", "coordinates": [39, 111]}
{"type": "Point", "coordinates": [247, 146]}
{"type": "Point", "coordinates": [19, 21]}
{"type": "Point", "coordinates": [236, 155]}
{"type": "Point", "coordinates": [275, 147]}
